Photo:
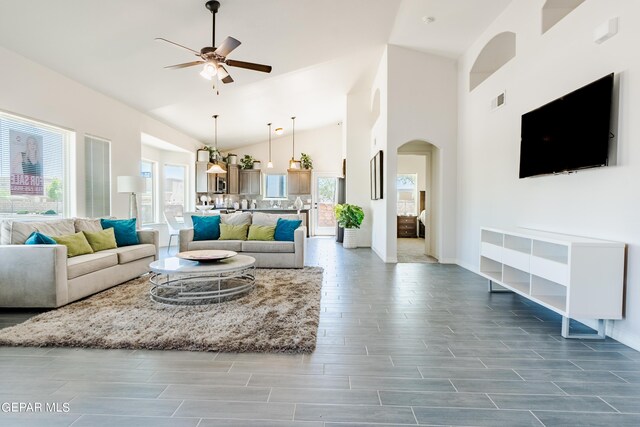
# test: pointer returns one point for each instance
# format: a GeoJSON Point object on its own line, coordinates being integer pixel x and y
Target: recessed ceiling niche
{"type": "Point", "coordinates": [554, 10]}
{"type": "Point", "coordinates": [497, 52]}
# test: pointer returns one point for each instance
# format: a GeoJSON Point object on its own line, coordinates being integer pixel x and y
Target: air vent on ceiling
{"type": "Point", "coordinates": [498, 101]}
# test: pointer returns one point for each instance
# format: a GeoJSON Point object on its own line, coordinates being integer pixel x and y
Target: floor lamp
{"type": "Point", "coordinates": [132, 185]}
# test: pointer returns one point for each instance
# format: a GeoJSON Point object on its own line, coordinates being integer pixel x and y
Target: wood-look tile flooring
{"type": "Point", "coordinates": [401, 344]}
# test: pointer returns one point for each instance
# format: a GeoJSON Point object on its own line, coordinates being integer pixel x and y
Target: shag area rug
{"type": "Point", "coordinates": [280, 315]}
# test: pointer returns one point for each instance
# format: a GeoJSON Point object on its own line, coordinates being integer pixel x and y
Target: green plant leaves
{"type": "Point", "coordinates": [349, 216]}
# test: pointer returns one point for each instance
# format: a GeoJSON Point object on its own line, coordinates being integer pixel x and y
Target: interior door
{"type": "Point", "coordinates": [325, 196]}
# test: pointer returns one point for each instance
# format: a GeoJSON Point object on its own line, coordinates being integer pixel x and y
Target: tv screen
{"type": "Point", "coordinates": [569, 133]}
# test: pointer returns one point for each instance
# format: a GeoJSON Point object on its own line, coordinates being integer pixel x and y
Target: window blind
{"type": "Point", "coordinates": [97, 160]}
{"type": "Point", "coordinates": [39, 185]}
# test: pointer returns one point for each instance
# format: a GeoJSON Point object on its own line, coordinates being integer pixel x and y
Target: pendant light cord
{"type": "Point", "coordinates": [215, 141]}
{"type": "Point", "coordinates": [293, 154]}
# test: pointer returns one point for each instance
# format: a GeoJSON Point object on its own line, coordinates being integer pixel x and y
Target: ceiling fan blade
{"type": "Point", "coordinates": [224, 75]}
{"type": "Point", "coordinates": [178, 44]}
{"type": "Point", "coordinates": [248, 65]}
{"type": "Point", "coordinates": [227, 46]}
{"type": "Point", "coordinates": [184, 65]}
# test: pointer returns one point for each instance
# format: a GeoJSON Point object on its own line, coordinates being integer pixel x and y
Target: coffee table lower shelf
{"type": "Point", "coordinates": [181, 282]}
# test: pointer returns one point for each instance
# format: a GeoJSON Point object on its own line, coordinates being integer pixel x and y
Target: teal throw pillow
{"type": "Point", "coordinates": [37, 238]}
{"type": "Point", "coordinates": [206, 227]}
{"type": "Point", "coordinates": [124, 229]}
{"type": "Point", "coordinates": [285, 229]}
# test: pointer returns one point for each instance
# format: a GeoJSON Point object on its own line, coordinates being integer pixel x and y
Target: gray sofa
{"type": "Point", "coordinates": [43, 276]}
{"type": "Point", "coordinates": [268, 254]}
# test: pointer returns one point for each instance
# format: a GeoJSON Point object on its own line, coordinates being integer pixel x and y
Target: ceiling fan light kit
{"type": "Point", "coordinates": [214, 58]}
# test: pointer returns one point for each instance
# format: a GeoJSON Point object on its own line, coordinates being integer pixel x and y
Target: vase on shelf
{"type": "Point", "coordinates": [298, 204]}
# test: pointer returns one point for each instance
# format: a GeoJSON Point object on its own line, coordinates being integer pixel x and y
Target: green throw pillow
{"type": "Point", "coordinates": [76, 244]}
{"type": "Point", "coordinates": [233, 232]}
{"type": "Point", "coordinates": [261, 232]}
{"type": "Point", "coordinates": [101, 240]}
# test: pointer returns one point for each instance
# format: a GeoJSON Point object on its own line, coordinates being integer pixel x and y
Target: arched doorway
{"type": "Point", "coordinates": [418, 196]}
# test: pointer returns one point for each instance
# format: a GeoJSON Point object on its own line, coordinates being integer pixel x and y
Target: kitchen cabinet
{"type": "Point", "coordinates": [250, 181]}
{"type": "Point", "coordinates": [298, 182]}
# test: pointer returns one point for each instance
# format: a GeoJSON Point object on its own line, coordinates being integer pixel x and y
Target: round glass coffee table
{"type": "Point", "coordinates": [180, 281]}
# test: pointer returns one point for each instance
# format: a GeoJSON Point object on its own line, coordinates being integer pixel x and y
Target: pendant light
{"type": "Point", "coordinates": [270, 164]}
{"type": "Point", "coordinates": [293, 163]}
{"type": "Point", "coordinates": [216, 168]}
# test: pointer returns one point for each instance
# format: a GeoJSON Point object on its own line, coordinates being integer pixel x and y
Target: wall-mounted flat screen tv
{"type": "Point", "coordinates": [569, 133]}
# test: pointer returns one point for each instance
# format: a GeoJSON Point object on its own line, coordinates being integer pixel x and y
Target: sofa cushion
{"type": "Point", "coordinates": [85, 264]}
{"type": "Point", "coordinates": [17, 232]}
{"type": "Point", "coordinates": [38, 238]}
{"type": "Point", "coordinates": [261, 232]}
{"type": "Point", "coordinates": [206, 227]}
{"type": "Point", "coordinates": [132, 253]}
{"type": "Point", "coordinates": [87, 224]}
{"type": "Point", "coordinates": [101, 240]}
{"type": "Point", "coordinates": [263, 246]}
{"type": "Point", "coordinates": [262, 218]}
{"type": "Point", "coordinates": [238, 218]}
{"type": "Point", "coordinates": [76, 244]}
{"type": "Point", "coordinates": [285, 229]}
{"type": "Point", "coordinates": [225, 245]}
{"type": "Point", "coordinates": [233, 232]}
{"type": "Point", "coordinates": [124, 229]}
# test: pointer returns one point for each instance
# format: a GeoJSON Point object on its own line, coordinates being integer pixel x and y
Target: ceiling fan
{"type": "Point", "coordinates": [212, 58]}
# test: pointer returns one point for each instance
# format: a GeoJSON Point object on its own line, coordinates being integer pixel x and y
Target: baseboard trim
{"type": "Point", "coordinates": [630, 339]}
{"type": "Point", "coordinates": [467, 266]}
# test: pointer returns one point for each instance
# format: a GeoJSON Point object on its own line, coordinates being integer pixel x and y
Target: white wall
{"type": "Point", "coordinates": [421, 105]}
{"type": "Point", "coordinates": [357, 143]}
{"type": "Point", "coordinates": [379, 104]}
{"type": "Point", "coordinates": [324, 145]}
{"type": "Point", "coordinates": [598, 203]}
{"type": "Point", "coordinates": [31, 90]}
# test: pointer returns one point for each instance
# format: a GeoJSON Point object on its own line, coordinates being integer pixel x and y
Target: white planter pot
{"type": "Point", "coordinates": [350, 240]}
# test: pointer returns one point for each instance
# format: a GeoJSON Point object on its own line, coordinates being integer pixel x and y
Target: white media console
{"type": "Point", "coordinates": [577, 277]}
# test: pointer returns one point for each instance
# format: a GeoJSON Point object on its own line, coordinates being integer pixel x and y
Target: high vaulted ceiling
{"type": "Point", "coordinates": [319, 51]}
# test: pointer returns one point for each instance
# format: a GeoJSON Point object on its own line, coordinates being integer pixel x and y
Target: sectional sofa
{"type": "Point", "coordinates": [43, 276]}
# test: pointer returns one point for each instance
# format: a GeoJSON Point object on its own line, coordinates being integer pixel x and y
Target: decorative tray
{"type": "Point", "coordinates": [206, 255]}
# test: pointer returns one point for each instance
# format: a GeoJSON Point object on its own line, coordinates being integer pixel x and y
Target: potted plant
{"type": "Point", "coordinates": [247, 162]}
{"type": "Point", "coordinates": [257, 164]}
{"type": "Point", "coordinates": [305, 161]}
{"type": "Point", "coordinates": [232, 159]}
{"type": "Point", "coordinates": [350, 218]}
{"type": "Point", "coordinates": [214, 154]}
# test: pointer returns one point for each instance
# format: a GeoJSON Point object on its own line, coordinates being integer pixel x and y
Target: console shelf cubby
{"type": "Point", "coordinates": [577, 277]}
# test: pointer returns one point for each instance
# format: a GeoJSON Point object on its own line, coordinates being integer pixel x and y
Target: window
{"type": "Point", "coordinates": [33, 168]}
{"type": "Point", "coordinates": [174, 185]}
{"type": "Point", "coordinates": [148, 198]}
{"type": "Point", "coordinates": [407, 189]}
{"type": "Point", "coordinates": [275, 186]}
{"type": "Point", "coordinates": [97, 161]}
